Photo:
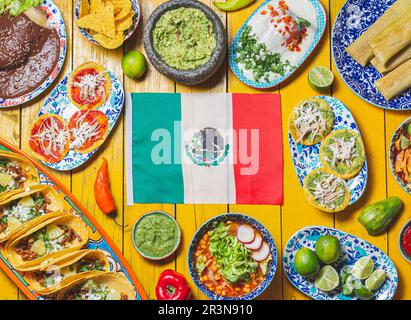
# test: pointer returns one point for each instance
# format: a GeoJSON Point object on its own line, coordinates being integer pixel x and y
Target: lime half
{"type": "Point", "coordinates": [376, 280]}
{"type": "Point", "coordinates": [363, 268]}
{"type": "Point", "coordinates": [362, 292]}
{"type": "Point", "coordinates": [327, 279]}
{"type": "Point", "coordinates": [320, 78]}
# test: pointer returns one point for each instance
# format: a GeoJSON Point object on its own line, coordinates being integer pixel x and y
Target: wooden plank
{"type": "Point", "coordinates": [147, 271]}
{"type": "Point", "coordinates": [269, 216]}
{"type": "Point", "coordinates": [191, 217]}
{"type": "Point", "coordinates": [392, 120]}
{"type": "Point", "coordinates": [372, 128]}
{"type": "Point", "coordinates": [297, 213]}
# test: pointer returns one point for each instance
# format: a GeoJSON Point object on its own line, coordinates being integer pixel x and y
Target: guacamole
{"type": "Point", "coordinates": [184, 38]}
{"type": "Point", "coordinates": [156, 235]}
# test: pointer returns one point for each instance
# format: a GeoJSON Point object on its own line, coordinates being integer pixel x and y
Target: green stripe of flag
{"type": "Point", "coordinates": [153, 182]}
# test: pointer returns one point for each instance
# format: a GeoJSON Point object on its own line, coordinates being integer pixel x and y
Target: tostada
{"type": "Point", "coordinates": [342, 153]}
{"type": "Point", "coordinates": [311, 121]}
{"type": "Point", "coordinates": [27, 208]}
{"type": "Point", "coordinates": [16, 174]}
{"type": "Point", "coordinates": [59, 272]}
{"type": "Point", "coordinates": [99, 286]}
{"type": "Point", "coordinates": [326, 191]}
{"type": "Point", "coordinates": [89, 86]}
{"type": "Point", "coordinates": [49, 138]}
{"type": "Point", "coordinates": [60, 234]}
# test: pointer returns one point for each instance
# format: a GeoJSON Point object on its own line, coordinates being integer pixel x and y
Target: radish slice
{"type": "Point", "coordinates": [256, 244]}
{"type": "Point", "coordinates": [262, 253]}
{"type": "Point", "coordinates": [245, 233]}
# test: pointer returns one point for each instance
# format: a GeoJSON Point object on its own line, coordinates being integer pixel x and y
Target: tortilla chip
{"type": "Point", "coordinates": [102, 21]}
{"type": "Point", "coordinates": [110, 43]}
{"type": "Point", "coordinates": [84, 8]}
{"type": "Point", "coordinates": [125, 23]}
{"type": "Point", "coordinates": [95, 5]}
{"type": "Point", "coordinates": [125, 6]}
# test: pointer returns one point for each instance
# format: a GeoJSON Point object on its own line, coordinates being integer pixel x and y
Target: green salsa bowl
{"type": "Point", "coordinates": [156, 235]}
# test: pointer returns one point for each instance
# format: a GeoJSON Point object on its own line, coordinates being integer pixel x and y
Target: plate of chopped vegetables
{"type": "Point", "coordinates": [232, 257]}
{"type": "Point", "coordinates": [275, 40]}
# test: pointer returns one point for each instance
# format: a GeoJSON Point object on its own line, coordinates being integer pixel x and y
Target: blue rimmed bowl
{"type": "Point", "coordinates": [402, 233]}
{"type": "Point", "coordinates": [135, 6]}
{"type": "Point", "coordinates": [207, 226]}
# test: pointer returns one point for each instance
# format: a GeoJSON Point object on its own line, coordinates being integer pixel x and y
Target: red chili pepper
{"type": "Point", "coordinates": [172, 286]}
{"type": "Point", "coordinates": [102, 192]}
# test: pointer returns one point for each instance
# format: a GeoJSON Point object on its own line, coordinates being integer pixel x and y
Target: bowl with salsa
{"type": "Point", "coordinates": [232, 257]}
{"type": "Point", "coordinates": [405, 241]}
{"type": "Point", "coordinates": [156, 235]}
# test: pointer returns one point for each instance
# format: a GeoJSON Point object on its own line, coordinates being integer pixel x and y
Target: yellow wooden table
{"type": "Point", "coordinates": [376, 125]}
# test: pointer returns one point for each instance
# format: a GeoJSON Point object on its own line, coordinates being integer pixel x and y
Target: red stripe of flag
{"type": "Point", "coordinates": [262, 112]}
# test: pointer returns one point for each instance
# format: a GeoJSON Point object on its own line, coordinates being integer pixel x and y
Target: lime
{"type": "Point", "coordinates": [362, 292]}
{"type": "Point", "coordinates": [320, 78]}
{"type": "Point", "coordinates": [327, 279]}
{"type": "Point", "coordinates": [376, 280]}
{"type": "Point", "coordinates": [363, 268]}
{"type": "Point", "coordinates": [134, 64]}
{"type": "Point", "coordinates": [328, 249]}
{"type": "Point", "coordinates": [306, 262]}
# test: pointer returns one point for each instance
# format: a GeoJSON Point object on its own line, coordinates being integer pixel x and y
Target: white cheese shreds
{"type": "Point", "coordinates": [327, 189]}
{"type": "Point", "coordinates": [52, 138]}
{"type": "Point", "coordinates": [342, 151]}
{"type": "Point", "coordinates": [309, 120]}
{"type": "Point", "coordinates": [84, 131]}
{"type": "Point", "coordinates": [91, 87]}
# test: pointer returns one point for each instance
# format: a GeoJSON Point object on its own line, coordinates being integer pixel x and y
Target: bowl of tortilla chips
{"type": "Point", "coordinates": [107, 22]}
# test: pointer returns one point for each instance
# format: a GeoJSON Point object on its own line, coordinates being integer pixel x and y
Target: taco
{"type": "Point", "coordinates": [16, 174]}
{"type": "Point", "coordinates": [59, 272]}
{"type": "Point", "coordinates": [89, 86]}
{"type": "Point", "coordinates": [88, 130]}
{"type": "Point", "coordinates": [342, 153]}
{"type": "Point", "coordinates": [311, 121]}
{"type": "Point", "coordinates": [100, 286]}
{"type": "Point", "coordinates": [49, 239]}
{"type": "Point", "coordinates": [326, 191]}
{"type": "Point", "coordinates": [27, 208]}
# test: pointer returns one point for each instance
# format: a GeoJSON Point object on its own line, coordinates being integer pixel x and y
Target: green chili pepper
{"type": "Point", "coordinates": [232, 5]}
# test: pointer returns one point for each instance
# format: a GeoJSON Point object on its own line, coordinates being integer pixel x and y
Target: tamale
{"type": "Point", "coordinates": [395, 82]}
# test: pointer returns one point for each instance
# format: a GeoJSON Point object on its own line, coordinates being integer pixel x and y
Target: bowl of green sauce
{"type": "Point", "coordinates": [156, 235]}
{"type": "Point", "coordinates": [185, 40]}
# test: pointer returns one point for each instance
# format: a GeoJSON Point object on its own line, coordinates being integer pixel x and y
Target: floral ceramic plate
{"type": "Point", "coordinates": [307, 158]}
{"type": "Point", "coordinates": [272, 265]}
{"type": "Point", "coordinates": [353, 248]}
{"type": "Point", "coordinates": [263, 19]}
{"type": "Point", "coordinates": [135, 6]}
{"type": "Point", "coordinates": [355, 17]}
{"type": "Point", "coordinates": [59, 103]}
{"type": "Point", "coordinates": [98, 238]}
{"type": "Point", "coordinates": [55, 20]}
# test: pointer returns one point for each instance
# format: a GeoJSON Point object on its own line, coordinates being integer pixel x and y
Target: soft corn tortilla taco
{"type": "Point", "coordinates": [102, 286]}
{"type": "Point", "coordinates": [60, 272]}
{"type": "Point", "coordinates": [16, 174]}
{"type": "Point", "coordinates": [27, 208]}
{"type": "Point", "coordinates": [54, 237]}
{"type": "Point", "coordinates": [311, 121]}
{"type": "Point", "coordinates": [326, 191]}
{"type": "Point", "coordinates": [342, 153]}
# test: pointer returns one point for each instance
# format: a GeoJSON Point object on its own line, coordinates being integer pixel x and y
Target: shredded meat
{"type": "Point", "coordinates": [123, 296]}
{"type": "Point", "coordinates": [69, 235]}
{"type": "Point", "coordinates": [3, 225]}
{"type": "Point", "coordinates": [23, 248]}
{"type": "Point", "coordinates": [18, 175]}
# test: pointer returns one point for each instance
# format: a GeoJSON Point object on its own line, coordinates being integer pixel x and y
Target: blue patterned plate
{"type": "Point", "coordinates": [135, 6]}
{"type": "Point", "coordinates": [56, 21]}
{"type": "Point", "coordinates": [355, 17]}
{"type": "Point", "coordinates": [59, 103]}
{"type": "Point", "coordinates": [353, 248]}
{"type": "Point", "coordinates": [272, 265]}
{"type": "Point", "coordinates": [302, 8]}
{"type": "Point", "coordinates": [307, 158]}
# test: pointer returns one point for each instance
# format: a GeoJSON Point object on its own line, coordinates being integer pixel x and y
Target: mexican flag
{"type": "Point", "coordinates": [204, 148]}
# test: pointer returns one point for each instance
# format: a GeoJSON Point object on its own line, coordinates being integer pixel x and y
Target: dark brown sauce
{"type": "Point", "coordinates": [28, 55]}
